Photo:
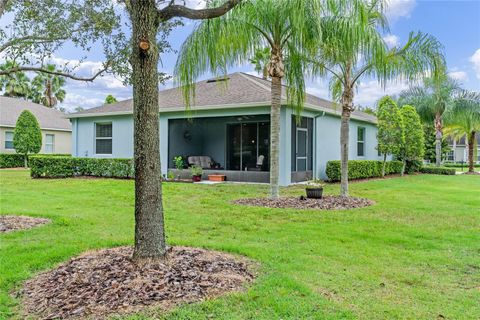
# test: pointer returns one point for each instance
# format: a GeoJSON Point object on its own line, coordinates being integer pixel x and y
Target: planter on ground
{"type": "Point", "coordinates": [216, 177]}
{"type": "Point", "coordinates": [314, 193]}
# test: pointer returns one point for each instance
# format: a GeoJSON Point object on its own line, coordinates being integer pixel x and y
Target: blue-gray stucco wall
{"type": "Point", "coordinates": [326, 137]}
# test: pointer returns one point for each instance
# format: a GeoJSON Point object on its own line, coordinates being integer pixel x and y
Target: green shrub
{"type": "Point", "coordinates": [457, 165]}
{"type": "Point", "coordinates": [438, 170]}
{"type": "Point", "coordinates": [361, 169]}
{"type": "Point", "coordinates": [413, 166]}
{"type": "Point", "coordinates": [15, 160]}
{"type": "Point", "coordinates": [62, 167]}
{"type": "Point", "coordinates": [11, 160]}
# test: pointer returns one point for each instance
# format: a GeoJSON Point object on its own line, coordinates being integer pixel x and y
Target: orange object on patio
{"type": "Point", "coordinates": [217, 177]}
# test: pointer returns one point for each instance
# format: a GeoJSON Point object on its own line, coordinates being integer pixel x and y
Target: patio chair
{"type": "Point", "coordinates": [203, 161]}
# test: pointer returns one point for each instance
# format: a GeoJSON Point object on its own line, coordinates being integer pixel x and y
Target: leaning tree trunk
{"type": "Point", "coordinates": [438, 139]}
{"type": "Point", "coordinates": [471, 143]}
{"type": "Point", "coordinates": [276, 71]}
{"type": "Point", "coordinates": [149, 223]}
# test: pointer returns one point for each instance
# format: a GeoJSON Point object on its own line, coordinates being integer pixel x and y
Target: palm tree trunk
{"type": "Point", "coordinates": [471, 143]}
{"type": "Point", "coordinates": [149, 222]}
{"type": "Point", "coordinates": [276, 90]}
{"type": "Point", "coordinates": [438, 139]}
{"type": "Point", "coordinates": [404, 164]}
{"type": "Point", "coordinates": [276, 70]}
{"type": "Point", "coordinates": [347, 108]}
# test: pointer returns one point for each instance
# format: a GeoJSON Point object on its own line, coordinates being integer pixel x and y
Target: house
{"type": "Point", "coordinates": [228, 131]}
{"type": "Point", "coordinates": [56, 129]}
{"type": "Point", "coordinates": [458, 152]}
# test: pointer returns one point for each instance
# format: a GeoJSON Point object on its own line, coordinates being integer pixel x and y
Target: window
{"type": "Point", "coordinates": [49, 143]}
{"type": "Point", "coordinates": [8, 139]}
{"type": "Point", "coordinates": [103, 138]}
{"type": "Point", "coordinates": [360, 141]}
{"type": "Point", "coordinates": [451, 155]}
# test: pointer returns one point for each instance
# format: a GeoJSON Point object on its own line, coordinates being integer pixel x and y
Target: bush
{"type": "Point", "coordinates": [457, 165]}
{"type": "Point", "coordinates": [15, 160]}
{"type": "Point", "coordinates": [438, 170]}
{"type": "Point", "coordinates": [361, 169]}
{"type": "Point", "coordinates": [11, 160]}
{"type": "Point", "coordinates": [413, 166]}
{"type": "Point", "coordinates": [62, 167]}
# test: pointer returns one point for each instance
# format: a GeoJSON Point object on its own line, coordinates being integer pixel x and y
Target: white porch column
{"type": "Point", "coordinates": [163, 131]}
{"type": "Point", "coordinates": [285, 146]}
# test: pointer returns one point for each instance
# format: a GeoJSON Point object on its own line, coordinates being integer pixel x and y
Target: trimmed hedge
{"type": "Point", "coordinates": [362, 169]}
{"type": "Point", "coordinates": [11, 160]}
{"type": "Point", "coordinates": [458, 165]}
{"type": "Point", "coordinates": [63, 167]}
{"type": "Point", "coordinates": [438, 170]}
{"type": "Point", "coordinates": [15, 160]}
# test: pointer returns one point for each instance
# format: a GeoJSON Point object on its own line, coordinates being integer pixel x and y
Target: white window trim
{"type": "Point", "coordinates": [52, 144]}
{"type": "Point", "coordinates": [101, 138]}
{"type": "Point", "coordinates": [5, 144]}
{"type": "Point", "coordinates": [364, 141]}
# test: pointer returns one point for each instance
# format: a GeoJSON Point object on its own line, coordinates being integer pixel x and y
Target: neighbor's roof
{"type": "Point", "coordinates": [10, 109]}
{"type": "Point", "coordinates": [241, 90]}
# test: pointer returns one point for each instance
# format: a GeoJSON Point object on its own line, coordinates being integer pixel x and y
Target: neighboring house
{"type": "Point", "coordinates": [458, 152]}
{"type": "Point", "coordinates": [56, 129]}
{"type": "Point", "coordinates": [228, 130]}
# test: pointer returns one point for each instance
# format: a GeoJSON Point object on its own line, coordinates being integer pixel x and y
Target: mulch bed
{"type": "Point", "coordinates": [13, 223]}
{"type": "Point", "coordinates": [474, 173]}
{"type": "Point", "coordinates": [101, 283]}
{"type": "Point", "coordinates": [326, 203]}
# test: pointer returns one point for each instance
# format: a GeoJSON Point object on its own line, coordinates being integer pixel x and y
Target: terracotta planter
{"type": "Point", "coordinates": [196, 178]}
{"type": "Point", "coordinates": [314, 193]}
{"type": "Point", "coordinates": [216, 177]}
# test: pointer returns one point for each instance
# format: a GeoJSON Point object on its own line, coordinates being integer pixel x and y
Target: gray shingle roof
{"type": "Point", "coordinates": [10, 109]}
{"type": "Point", "coordinates": [240, 90]}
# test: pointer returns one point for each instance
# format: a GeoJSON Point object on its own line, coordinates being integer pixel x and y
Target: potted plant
{"type": "Point", "coordinates": [196, 172]}
{"type": "Point", "coordinates": [178, 162]}
{"type": "Point", "coordinates": [314, 189]}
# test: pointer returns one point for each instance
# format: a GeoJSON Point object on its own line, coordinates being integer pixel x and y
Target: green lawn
{"type": "Point", "coordinates": [413, 255]}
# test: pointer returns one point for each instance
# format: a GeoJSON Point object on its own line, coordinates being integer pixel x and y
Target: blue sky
{"type": "Point", "coordinates": [455, 23]}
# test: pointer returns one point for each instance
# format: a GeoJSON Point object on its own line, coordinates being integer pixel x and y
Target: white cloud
{"type": "Point", "coordinates": [458, 75]}
{"type": "Point", "coordinates": [475, 60]}
{"type": "Point", "coordinates": [369, 92]}
{"type": "Point", "coordinates": [391, 40]}
{"type": "Point", "coordinates": [399, 8]}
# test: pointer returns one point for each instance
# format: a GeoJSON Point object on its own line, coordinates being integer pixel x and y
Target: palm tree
{"type": "Point", "coordinates": [47, 88]}
{"type": "Point", "coordinates": [463, 119]}
{"type": "Point", "coordinates": [353, 48]}
{"type": "Point", "coordinates": [290, 29]}
{"type": "Point", "coordinates": [261, 59]}
{"type": "Point", "coordinates": [432, 99]}
{"type": "Point", "coordinates": [14, 84]}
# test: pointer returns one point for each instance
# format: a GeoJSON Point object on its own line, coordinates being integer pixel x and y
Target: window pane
{"type": "Point", "coordinates": [103, 130]}
{"type": "Point", "coordinates": [8, 136]}
{"type": "Point", "coordinates": [8, 144]}
{"type": "Point", "coordinates": [49, 148]}
{"type": "Point", "coordinates": [103, 146]}
{"type": "Point", "coordinates": [49, 138]}
{"type": "Point", "coordinates": [360, 151]}
{"type": "Point", "coordinates": [361, 134]}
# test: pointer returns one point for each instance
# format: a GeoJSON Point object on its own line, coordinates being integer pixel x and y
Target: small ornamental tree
{"type": "Point", "coordinates": [390, 134]}
{"type": "Point", "coordinates": [27, 137]}
{"type": "Point", "coordinates": [413, 146]}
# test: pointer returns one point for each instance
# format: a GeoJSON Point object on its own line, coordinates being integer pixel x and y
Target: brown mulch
{"type": "Point", "coordinates": [106, 282]}
{"type": "Point", "coordinates": [12, 223]}
{"type": "Point", "coordinates": [326, 203]}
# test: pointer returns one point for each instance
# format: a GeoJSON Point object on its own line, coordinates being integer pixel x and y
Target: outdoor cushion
{"type": "Point", "coordinates": [203, 161]}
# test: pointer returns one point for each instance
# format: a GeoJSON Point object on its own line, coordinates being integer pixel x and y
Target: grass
{"type": "Point", "coordinates": [413, 255]}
